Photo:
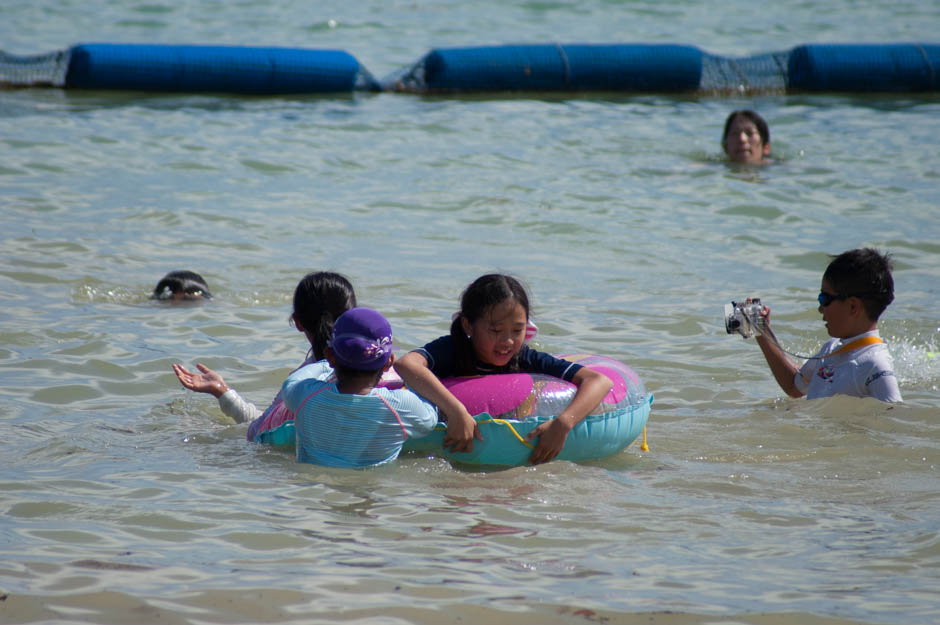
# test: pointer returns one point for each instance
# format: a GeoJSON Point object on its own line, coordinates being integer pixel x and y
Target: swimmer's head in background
{"type": "Point", "coordinates": [181, 286]}
{"type": "Point", "coordinates": [746, 138]}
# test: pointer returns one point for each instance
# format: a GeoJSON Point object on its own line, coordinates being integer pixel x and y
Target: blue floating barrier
{"type": "Point", "coordinates": [864, 68]}
{"type": "Point", "coordinates": [557, 67]}
{"type": "Point", "coordinates": [223, 69]}
{"type": "Point", "coordinates": [650, 68]}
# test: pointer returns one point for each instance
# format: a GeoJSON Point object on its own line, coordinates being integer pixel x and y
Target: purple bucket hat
{"type": "Point", "coordinates": [362, 339]}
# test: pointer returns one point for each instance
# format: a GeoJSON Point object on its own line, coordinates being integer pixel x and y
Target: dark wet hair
{"type": "Point", "coordinates": [348, 374]}
{"type": "Point", "coordinates": [189, 283]}
{"type": "Point", "coordinates": [762, 128]}
{"type": "Point", "coordinates": [321, 297]}
{"type": "Point", "coordinates": [483, 294]}
{"type": "Point", "coordinates": [866, 274]}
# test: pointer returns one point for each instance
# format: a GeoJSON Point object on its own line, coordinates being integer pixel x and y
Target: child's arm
{"type": "Point", "coordinates": [461, 427]}
{"type": "Point", "coordinates": [592, 387]}
{"type": "Point", "coordinates": [230, 402]}
{"type": "Point", "coordinates": [784, 371]}
{"type": "Point", "coordinates": [206, 382]}
{"type": "Point", "coordinates": [883, 385]}
{"type": "Point", "coordinates": [417, 415]}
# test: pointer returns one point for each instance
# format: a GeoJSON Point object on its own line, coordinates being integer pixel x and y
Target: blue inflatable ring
{"type": "Point", "coordinates": [509, 406]}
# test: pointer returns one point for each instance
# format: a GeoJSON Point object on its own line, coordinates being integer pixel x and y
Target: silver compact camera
{"type": "Point", "coordinates": [744, 318]}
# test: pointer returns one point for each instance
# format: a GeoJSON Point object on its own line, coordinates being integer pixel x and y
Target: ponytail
{"type": "Point", "coordinates": [321, 297]}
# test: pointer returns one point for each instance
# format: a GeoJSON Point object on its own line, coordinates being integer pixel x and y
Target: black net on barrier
{"type": "Point", "coordinates": [39, 70]}
{"type": "Point", "coordinates": [763, 73]}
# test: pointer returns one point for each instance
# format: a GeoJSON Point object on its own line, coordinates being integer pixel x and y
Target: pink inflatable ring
{"type": "Point", "coordinates": [509, 406]}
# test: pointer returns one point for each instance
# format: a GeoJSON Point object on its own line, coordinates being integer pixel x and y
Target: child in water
{"type": "Point", "coordinates": [856, 288]}
{"type": "Point", "coordinates": [487, 337]}
{"type": "Point", "coordinates": [178, 286]}
{"type": "Point", "coordinates": [342, 419]}
{"type": "Point", "coordinates": [320, 297]}
{"type": "Point", "coordinates": [746, 138]}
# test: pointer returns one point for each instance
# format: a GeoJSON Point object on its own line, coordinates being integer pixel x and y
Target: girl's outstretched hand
{"type": "Point", "coordinates": [552, 436]}
{"type": "Point", "coordinates": [460, 433]}
{"type": "Point", "coordinates": [206, 382]}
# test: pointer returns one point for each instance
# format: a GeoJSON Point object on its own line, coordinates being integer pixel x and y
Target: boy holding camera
{"type": "Point", "coordinates": [856, 288]}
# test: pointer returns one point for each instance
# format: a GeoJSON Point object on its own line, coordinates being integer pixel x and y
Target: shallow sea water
{"type": "Point", "coordinates": [125, 499]}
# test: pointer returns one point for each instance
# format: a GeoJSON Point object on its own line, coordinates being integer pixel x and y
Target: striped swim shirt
{"type": "Point", "coordinates": [351, 431]}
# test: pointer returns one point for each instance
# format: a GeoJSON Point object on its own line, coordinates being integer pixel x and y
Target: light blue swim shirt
{"type": "Point", "coordinates": [351, 431]}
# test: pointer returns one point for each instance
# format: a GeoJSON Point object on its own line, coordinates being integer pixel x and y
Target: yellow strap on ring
{"type": "Point", "coordinates": [519, 437]}
{"type": "Point", "coordinates": [511, 429]}
{"type": "Point", "coordinates": [643, 445]}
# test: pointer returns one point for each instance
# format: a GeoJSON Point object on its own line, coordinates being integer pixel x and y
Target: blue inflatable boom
{"type": "Point", "coordinates": [861, 68]}
{"type": "Point", "coordinates": [557, 67]}
{"type": "Point", "coordinates": [223, 69]}
{"type": "Point", "coordinates": [649, 68]}
{"type": "Point", "coordinates": [865, 68]}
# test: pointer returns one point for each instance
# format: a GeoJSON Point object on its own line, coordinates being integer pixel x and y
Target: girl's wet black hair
{"type": "Point", "coordinates": [482, 295]}
{"type": "Point", "coordinates": [866, 274]}
{"type": "Point", "coordinates": [190, 283]}
{"type": "Point", "coordinates": [321, 297]}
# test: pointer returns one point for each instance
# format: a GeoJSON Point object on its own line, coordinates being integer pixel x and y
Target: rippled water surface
{"type": "Point", "coordinates": [125, 499]}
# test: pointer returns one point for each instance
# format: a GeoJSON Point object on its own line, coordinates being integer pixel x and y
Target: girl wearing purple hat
{"type": "Point", "coordinates": [341, 418]}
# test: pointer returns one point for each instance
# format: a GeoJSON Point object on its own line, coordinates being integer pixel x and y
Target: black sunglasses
{"type": "Point", "coordinates": [827, 298]}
